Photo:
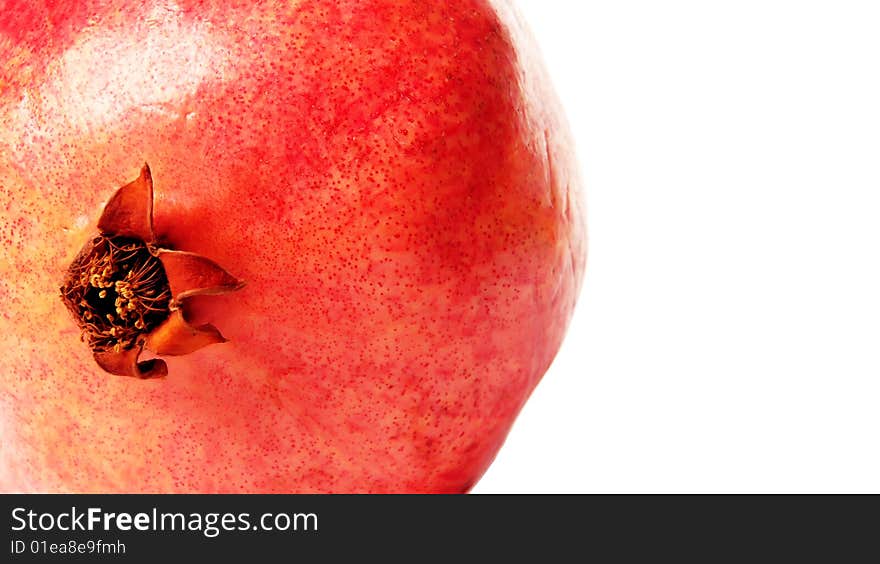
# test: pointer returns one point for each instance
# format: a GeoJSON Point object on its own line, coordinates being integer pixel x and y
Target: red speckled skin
{"type": "Point", "coordinates": [393, 178]}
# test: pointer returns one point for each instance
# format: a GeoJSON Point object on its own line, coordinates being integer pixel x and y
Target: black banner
{"type": "Point", "coordinates": [144, 528]}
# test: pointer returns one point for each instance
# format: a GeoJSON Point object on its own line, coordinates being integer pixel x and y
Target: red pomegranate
{"type": "Point", "coordinates": [393, 181]}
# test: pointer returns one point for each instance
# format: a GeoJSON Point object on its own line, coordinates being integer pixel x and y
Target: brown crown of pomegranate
{"type": "Point", "coordinates": [127, 293]}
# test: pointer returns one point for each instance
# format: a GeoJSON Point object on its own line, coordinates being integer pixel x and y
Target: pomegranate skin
{"type": "Point", "coordinates": [394, 180]}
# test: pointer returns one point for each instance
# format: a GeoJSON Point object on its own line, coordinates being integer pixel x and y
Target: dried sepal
{"type": "Point", "coordinates": [129, 213]}
{"type": "Point", "coordinates": [125, 363]}
{"type": "Point", "coordinates": [191, 274]}
{"type": "Point", "coordinates": [176, 337]}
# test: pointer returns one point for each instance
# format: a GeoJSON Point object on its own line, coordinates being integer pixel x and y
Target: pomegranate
{"type": "Point", "coordinates": [352, 256]}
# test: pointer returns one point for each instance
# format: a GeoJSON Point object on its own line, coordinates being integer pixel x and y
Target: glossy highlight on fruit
{"type": "Point", "coordinates": [395, 181]}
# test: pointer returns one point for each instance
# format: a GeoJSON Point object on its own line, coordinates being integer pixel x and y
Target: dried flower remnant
{"type": "Point", "coordinates": [126, 293]}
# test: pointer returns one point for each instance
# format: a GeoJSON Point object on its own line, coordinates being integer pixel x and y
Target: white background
{"type": "Point", "coordinates": [728, 332]}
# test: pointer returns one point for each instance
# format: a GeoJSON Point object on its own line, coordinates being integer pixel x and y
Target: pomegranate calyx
{"type": "Point", "coordinates": [125, 292]}
{"type": "Point", "coordinates": [117, 291]}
